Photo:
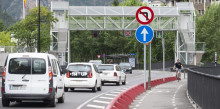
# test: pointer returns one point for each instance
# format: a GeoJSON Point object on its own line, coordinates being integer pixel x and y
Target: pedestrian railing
{"type": "Point", "coordinates": [204, 87]}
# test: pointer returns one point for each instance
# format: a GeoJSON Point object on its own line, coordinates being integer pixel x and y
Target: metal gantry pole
{"type": "Point", "coordinates": [145, 73]}
{"type": "Point", "coordinates": [149, 74]}
{"type": "Point", "coordinates": [163, 44]}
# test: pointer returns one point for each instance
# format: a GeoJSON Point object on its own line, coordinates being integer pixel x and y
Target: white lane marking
{"type": "Point", "coordinates": [95, 106]}
{"type": "Point", "coordinates": [111, 95]}
{"type": "Point", "coordinates": [159, 91]}
{"type": "Point", "coordinates": [106, 98]}
{"type": "Point", "coordinates": [115, 92]}
{"type": "Point", "coordinates": [98, 101]}
{"type": "Point", "coordinates": [120, 91]}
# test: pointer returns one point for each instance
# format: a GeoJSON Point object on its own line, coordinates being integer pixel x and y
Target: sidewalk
{"type": "Point", "coordinates": [171, 95]}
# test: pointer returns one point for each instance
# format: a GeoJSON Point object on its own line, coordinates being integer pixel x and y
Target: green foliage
{"type": "Point", "coordinates": [115, 3]}
{"type": "Point", "coordinates": [26, 31]}
{"type": "Point", "coordinates": [208, 31]}
{"type": "Point", "coordinates": [5, 39]}
{"type": "Point", "coordinates": [2, 26]}
{"type": "Point", "coordinates": [131, 3]}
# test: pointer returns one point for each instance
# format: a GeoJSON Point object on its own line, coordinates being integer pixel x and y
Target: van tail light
{"type": "Point", "coordinates": [3, 89]}
{"type": "Point", "coordinates": [50, 90]}
{"type": "Point", "coordinates": [3, 74]}
{"type": "Point", "coordinates": [50, 73]}
{"type": "Point", "coordinates": [68, 74]}
{"type": "Point", "coordinates": [115, 74]}
{"type": "Point", "coordinates": [90, 74]}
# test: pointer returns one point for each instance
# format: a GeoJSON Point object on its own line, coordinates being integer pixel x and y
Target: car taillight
{"type": "Point", "coordinates": [115, 74]}
{"type": "Point", "coordinates": [3, 89]}
{"type": "Point", "coordinates": [90, 74]}
{"type": "Point", "coordinates": [3, 74]}
{"type": "Point", "coordinates": [50, 73]}
{"type": "Point", "coordinates": [50, 90]}
{"type": "Point", "coordinates": [68, 74]}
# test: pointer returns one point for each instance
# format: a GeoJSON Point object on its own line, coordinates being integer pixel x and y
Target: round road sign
{"type": "Point", "coordinates": [144, 15]}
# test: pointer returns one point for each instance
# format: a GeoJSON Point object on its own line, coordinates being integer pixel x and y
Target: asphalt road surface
{"type": "Point", "coordinates": [86, 99]}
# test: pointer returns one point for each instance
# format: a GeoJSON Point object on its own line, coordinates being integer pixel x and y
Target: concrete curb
{"type": "Point", "coordinates": [123, 100]}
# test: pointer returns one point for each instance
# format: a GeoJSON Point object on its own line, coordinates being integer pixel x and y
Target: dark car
{"type": "Point", "coordinates": [126, 67]}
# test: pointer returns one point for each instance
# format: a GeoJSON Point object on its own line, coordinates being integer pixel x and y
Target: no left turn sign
{"type": "Point", "coordinates": [144, 15]}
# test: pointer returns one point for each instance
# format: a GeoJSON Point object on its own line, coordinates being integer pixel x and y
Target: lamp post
{"type": "Point", "coordinates": [38, 45]}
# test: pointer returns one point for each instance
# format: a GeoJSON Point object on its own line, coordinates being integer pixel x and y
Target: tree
{"type": "Point", "coordinates": [208, 31]}
{"type": "Point", "coordinates": [2, 26]}
{"type": "Point", "coordinates": [5, 39]}
{"type": "Point", "coordinates": [115, 3]}
{"type": "Point", "coordinates": [26, 31]}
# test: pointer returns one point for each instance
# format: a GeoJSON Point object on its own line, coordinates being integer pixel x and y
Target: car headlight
{"type": "Point", "coordinates": [129, 68]}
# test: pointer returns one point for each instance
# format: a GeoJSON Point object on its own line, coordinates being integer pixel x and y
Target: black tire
{"type": "Point", "coordinates": [61, 99]}
{"type": "Point", "coordinates": [131, 72]}
{"type": "Point", "coordinates": [100, 88]}
{"type": "Point", "coordinates": [124, 83]}
{"type": "Point", "coordinates": [118, 83]}
{"type": "Point", "coordinates": [5, 102]}
{"type": "Point", "coordinates": [94, 89]}
{"type": "Point", "coordinates": [65, 89]}
{"type": "Point", "coordinates": [72, 89]}
{"type": "Point", "coordinates": [52, 102]}
{"type": "Point", "coordinates": [103, 83]}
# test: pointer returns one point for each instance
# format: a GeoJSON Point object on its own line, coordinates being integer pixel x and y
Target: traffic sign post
{"type": "Point", "coordinates": [144, 34]}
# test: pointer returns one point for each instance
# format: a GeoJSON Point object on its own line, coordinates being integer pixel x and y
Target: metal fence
{"type": "Point", "coordinates": [204, 86]}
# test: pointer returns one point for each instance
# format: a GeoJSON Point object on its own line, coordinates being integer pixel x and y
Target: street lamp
{"type": "Point", "coordinates": [38, 45]}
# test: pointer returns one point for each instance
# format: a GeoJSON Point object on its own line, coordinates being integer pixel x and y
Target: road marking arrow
{"type": "Point", "coordinates": [144, 31]}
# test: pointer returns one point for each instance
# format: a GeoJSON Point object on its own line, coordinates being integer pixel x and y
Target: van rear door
{"type": "Point", "coordinates": [18, 76]}
{"type": "Point", "coordinates": [40, 76]}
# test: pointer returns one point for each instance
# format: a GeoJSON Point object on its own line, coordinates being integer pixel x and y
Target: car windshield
{"type": "Point", "coordinates": [125, 64]}
{"type": "Point", "coordinates": [80, 68]}
{"type": "Point", "coordinates": [105, 67]}
{"type": "Point", "coordinates": [23, 66]}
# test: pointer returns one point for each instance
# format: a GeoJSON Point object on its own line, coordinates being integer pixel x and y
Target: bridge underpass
{"type": "Point", "coordinates": [180, 19]}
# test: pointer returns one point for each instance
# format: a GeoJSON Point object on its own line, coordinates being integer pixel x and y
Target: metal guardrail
{"type": "Point", "coordinates": [204, 86]}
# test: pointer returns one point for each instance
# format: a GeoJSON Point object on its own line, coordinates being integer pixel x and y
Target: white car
{"type": "Point", "coordinates": [32, 76]}
{"type": "Point", "coordinates": [82, 75]}
{"type": "Point", "coordinates": [96, 62]}
{"type": "Point", "coordinates": [112, 73]}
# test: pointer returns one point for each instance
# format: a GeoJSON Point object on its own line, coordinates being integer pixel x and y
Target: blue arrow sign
{"type": "Point", "coordinates": [144, 34]}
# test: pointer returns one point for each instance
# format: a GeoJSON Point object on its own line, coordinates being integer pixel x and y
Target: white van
{"type": "Point", "coordinates": [32, 76]}
{"type": "Point", "coordinates": [82, 75]}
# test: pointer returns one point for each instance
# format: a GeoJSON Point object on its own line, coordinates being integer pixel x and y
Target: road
{"type": "Point", "coordinates": [85, 99]}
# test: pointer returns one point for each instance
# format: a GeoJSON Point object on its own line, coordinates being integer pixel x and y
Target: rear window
{"type": "Point", "coordinates": [80, 68]}
{"type": "Point", "coordinates": [125, 64]}
{"type": "Point", "coordinates": [105, 67]}
{"type": "Point", "coordinates": [24, 65]}
{"type": "Point", "coordinates": [20, 66]}
{"type": "Point", "coordinates": [38, 66]}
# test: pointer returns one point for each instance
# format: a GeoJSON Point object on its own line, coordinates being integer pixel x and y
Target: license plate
{"type": "Point", "coordinates": [17, 87]}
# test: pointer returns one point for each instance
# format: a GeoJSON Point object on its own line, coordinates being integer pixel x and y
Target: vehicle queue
{"type": "Point", "coordinates": [38, 76]}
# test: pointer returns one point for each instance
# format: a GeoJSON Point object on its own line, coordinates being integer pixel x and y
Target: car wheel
{"type": "Point", "coordinates": [103, 83]}
{"type": "Point", "coordinates": [131, 72]}
{"type": "Point", "coordinates": [94, 89]}
{"type": "Point", "coordinates": [65, 89]}
{"type": "Point", "coordinates": [100, 88]}
{"type": "Point", "coordinates": [52, 102]}
{"type": "Point", "coordinates": [72, 89]}
{"type": "Point", "coordinates": [5, 102]}
{"type": "Point", "coordinates": [123, 83]}
{"type": "Point", "coordinates": [61, 99]}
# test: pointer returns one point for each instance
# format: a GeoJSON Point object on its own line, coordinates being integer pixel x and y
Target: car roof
{"type": "Point", "coordinates": [108, 64]}
{"type": "Point", "coordinates": [86, 63]}
{"type": "Point", "coordinates": [39, 55]}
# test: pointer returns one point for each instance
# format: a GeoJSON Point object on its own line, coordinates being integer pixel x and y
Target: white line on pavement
{"type": "Point", "coordinates": [106, 98]}
{"type": "Point", "coordinates": [96, 106]}
{"type": "Point", "coordinates": [115, 92]}
{"type": "Point", "coordinates": [98, 101]}
{"type": "Point", "coordinates": [111, 95]}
